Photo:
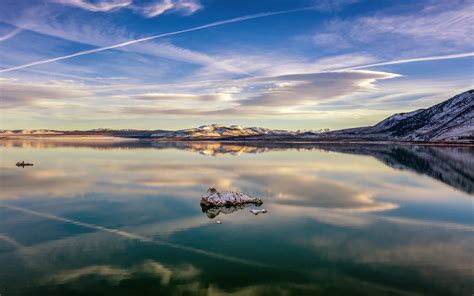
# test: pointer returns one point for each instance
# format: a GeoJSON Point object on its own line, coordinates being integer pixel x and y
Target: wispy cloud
{"type": "Point", "coordinates": [20, 94]}
{"type": "Point", "coordinates": [96, 6]}
{"type": "Point", "coordinates": [101, 32]}
{"type": "Point", "coordinates": [289, 94]}
{"type": "Point", "coordinates": [157, 8]}
{"type": "Point", "coordinates": [152, 9]}
{"type": "Point", "coordinates": [302, 89]}
{"type": "Point", "coordinates": [135, 41]}
{"type": "Point", "coordinates": [181, 97]}
{"type": "Point", "coordinates": [10, 34]}
{"type": "Point", "coordinates": [416, 60]}
{"type": "Point", "coordinates": [439, 29]}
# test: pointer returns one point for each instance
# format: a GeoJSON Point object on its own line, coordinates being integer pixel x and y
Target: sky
{"type": "Point", "coordinates": [172, 64]}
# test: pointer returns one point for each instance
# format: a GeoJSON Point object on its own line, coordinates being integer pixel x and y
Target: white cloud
{"type": "Point", "coordinates": [302, 89]}
{"type": "Point", "coordinates": [186, 7]}
{"type": "Point", "coordinates": [156, 8]}
{"type": "Point", "coordinates": [96, 6]}
{"type": "Point", "coordinates": [267, 96]}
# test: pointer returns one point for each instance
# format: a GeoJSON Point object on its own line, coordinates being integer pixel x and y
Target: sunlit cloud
{"type": "Point", "coordinates": [300, 89]}
{"type": "Point", "coordinates": [20, 93]}
{"type": "Point", "coordinates": [273, 93]}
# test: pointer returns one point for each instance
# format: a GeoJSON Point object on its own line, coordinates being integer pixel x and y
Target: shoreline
{"type": "Point", "coordinates": [105, 138]}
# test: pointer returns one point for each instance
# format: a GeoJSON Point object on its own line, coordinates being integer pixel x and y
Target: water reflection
{"type": "Point", "coordinates": [342, 219]}
{"type": "Point", "coordinates": [453, 165]}
{"type": "Point", "coordinates": [213, 212]}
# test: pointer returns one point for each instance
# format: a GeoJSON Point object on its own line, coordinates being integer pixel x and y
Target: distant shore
{"type": "Point", "coordinates": [67, 137]}
{"type": "Point", "coordinates": [109, 138]}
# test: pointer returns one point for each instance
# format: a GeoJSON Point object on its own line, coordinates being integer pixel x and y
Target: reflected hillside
{"type": "Point", "coordinates": [452, 165]}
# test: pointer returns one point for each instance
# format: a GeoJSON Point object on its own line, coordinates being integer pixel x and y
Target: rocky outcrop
{"type": "Point", "coordinates": [214, 198]}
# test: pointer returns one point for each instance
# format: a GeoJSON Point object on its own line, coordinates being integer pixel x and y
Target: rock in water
{"type": "Point", "coordinates": [213, 198]}
{"type": "Point", "coordinates": [256, 212]}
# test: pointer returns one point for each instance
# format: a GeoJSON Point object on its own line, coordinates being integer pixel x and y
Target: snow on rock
{"type": "Point", "coordinates": [214, 198]}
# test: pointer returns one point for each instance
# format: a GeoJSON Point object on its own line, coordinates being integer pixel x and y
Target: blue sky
{"type": "Point", "coordinates": [299, 64]}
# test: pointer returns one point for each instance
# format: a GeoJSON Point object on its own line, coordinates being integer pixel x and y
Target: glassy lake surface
{"type": "Point", "coordinates": [123, 218]}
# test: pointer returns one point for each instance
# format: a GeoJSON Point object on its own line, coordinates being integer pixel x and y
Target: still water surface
{"type": "Point", "coordinates": [123, 218]}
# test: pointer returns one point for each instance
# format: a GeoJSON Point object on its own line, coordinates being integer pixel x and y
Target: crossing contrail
{"type": "Point", "coordinates": [11, 34]}
{"type": "Point", "coordinates": [127, 43]}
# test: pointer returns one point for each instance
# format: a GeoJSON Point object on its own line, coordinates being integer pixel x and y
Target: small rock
{"type": "Point", "coordinates": [256, 212]}
{"type": "Point", "coordinates": [218, 222]}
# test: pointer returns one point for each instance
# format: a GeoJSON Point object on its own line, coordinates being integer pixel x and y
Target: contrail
{"type": "Point", "coordinates": [137, 237]}
{"type": "Point", "coordinates": [432, 58]}
{"type": "Point", "coordinates": [214, 24]}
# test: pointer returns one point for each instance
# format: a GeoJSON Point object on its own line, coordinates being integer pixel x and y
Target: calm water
{"type": "Point", "coordinates": [123, 218]}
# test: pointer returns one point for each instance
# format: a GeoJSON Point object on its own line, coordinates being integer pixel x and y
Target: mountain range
{"type": "Point", "coordinates": [449, 121]}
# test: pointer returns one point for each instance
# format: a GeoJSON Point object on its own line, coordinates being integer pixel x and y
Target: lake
{"type": "Point", "coordinates": [123, 218]}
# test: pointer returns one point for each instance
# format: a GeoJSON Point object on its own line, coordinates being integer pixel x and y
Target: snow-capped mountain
{"type": "Point", "coordinates": [216, 131]}
{"type": "Point", "coordinates": [451, 120]}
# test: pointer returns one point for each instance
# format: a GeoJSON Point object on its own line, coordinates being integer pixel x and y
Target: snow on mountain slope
{"type": "Point", "coordinates": [451, 120]}
{"type": "Point", "coordinates": [28, 132]}
{"type": "Point", "coordinates": [215, 131]}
